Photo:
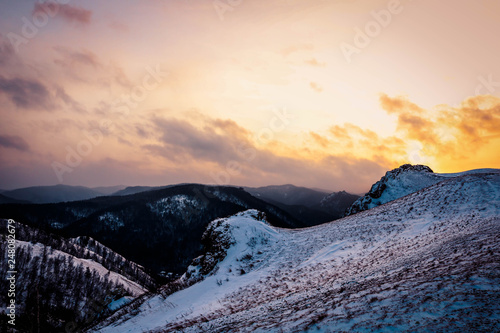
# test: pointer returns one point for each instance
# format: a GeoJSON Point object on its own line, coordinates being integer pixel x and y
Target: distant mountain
{"type": "Point", "coordinates": [108, 190]}
{"type": "Point", "coordinates": [287, 194]}
{"type": "Point", "coordinates": [426, 262]}
{"type": "Point", "coordinates": [306, 215]}
{"type": "Point", "coordinates": [336, 203]}
{"type": "Point", "coordinates": [52, 194]}
{"type": "Point", "coordinates": [312, 207]}
{"type": "Point", "coordinates": [137, 189]}
{"type": "Point", "coordinates": [61, 280]}
{"type": "Point", "coordinates": [6, 200]}
{"type": "Point", "coordinates": [320, 190]}
{"type": "Point", "coordinates": [402, 181]}
{"type": "Point", "coordinates": [159, 229]}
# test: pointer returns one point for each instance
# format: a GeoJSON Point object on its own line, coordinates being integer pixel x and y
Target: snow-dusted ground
{"type": "Point", "coordinates": [402, 181]}
{"type": "Point", "coordinates": [427, 262]}
{"type": "Point", "coordinates": [37, 249]}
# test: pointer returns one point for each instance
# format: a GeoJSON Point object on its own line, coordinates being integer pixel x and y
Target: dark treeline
{"type": "Point", "coordinates": [54, 290]}
{"type": "Point", "coordinates": [160, 230]}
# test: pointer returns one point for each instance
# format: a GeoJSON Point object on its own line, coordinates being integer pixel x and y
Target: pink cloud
{"type": "Point", "coordinates": [66, 12]}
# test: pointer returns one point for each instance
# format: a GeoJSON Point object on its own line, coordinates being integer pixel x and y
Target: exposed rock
{"type": "Point", "coordinates": [399, 182]}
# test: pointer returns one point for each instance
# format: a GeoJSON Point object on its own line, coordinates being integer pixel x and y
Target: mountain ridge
{"type": "Point", "coordinates": [172, 219]}
{"type": "Point", "coordinates": [52, 194]}
{"type": "Point", "coordinates": [402, 181]}
{"type": "Point", "coordinates": [62, 281]}
{"type": "Point", "coordinates": [427, 261]}
{"type": "Point", "coordinates": [305, 203]}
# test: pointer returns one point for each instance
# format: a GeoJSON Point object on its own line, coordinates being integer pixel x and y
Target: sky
{"type": "Point", "coordinates": [316, 93]}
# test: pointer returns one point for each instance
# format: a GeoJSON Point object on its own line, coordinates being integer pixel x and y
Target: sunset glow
{"type": "Point", "coordinates": [254, 93]}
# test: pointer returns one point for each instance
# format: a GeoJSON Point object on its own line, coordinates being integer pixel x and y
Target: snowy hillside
{"type": "Point", "coordinates": [37, 250]}
{"type": "Point", "coordinates": [164, 226]}
{"type": "Point", "coordinates": [429, 261]}
{"type": "Point", "coordinates": [400, 182]}
{"type": "Point", "coordinates": [61, 281]}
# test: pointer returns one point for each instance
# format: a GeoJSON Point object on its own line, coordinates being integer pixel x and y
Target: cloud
{"type": "Point", "coordinates": [119, 26]}
{"type": "Point", "coordinates": [473, 122]}
{"type": "Point", "coordinates": [215, 147]}
{"type": "Point", "coordinates": [70, 57]}
{"type": "Point", "coordinates": [117, 75]}
{"type": "Point", "coordinates": [445, 137]}
{"type": "Point", "coordinates": [60, 125]}
{"type": "Point", "coordinates": [6, 51]}
{"type": "Point", "coordinates": [351, 141]}
{"type": "Point", "coordinates": [141, 132]}
{"type": "Point", "coordinates": [449, 134]}
{"type": "Point", "coordinates": [322, 141]}
{"type": "Point", "coordinates": [349, 132]}
{"type": "Point", "coordinates": [25, 93]}
{"type": "Point", "coordinates": [85, 66]}
{"type": "Point", "coordinates": [66, 12]}
{"type": "Point", "coordinates": [314, 62]}
{"type": "Point", "coordinates": [31, 94]}
{"type": "Point", "coordinates": [332, 171]}
{"type": "Point", "coordinates": [316, 87]}
{"type": "Point", "coordinates": [296, 48]}
{"type": "Point", "coordinates": [477, 118]}
{"type": "Point", "coordinates": [216, 141]}
{"type": "Point", "coordinates": [13, 141]}
{"type": "Point", "coordinates": [69, 101]}
{"type": "Point", "coordinates": [413, 121]}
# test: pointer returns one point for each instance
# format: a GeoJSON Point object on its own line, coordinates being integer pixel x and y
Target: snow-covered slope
{"type": "Point", "coordinates": [36, 250]}
{"type": "Point", "coordinates": [164, 226]}
{"type": "Point", "coordinates": [402, 181]}
{"type": "Point", "coordinates": [61, 280]}
{"type": "Point", "coordinates": [429, 261]}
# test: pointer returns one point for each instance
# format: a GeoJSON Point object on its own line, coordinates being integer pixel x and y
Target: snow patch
{"type": "Point", "coordinates": [111, 221]}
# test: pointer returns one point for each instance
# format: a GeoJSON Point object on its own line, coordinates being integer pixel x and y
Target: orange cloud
{"type": "Point", "coordinates": [350, 132]}
{"type": "Point", "coordinates": [350, 141]}
{"type": "Point", "coordinates": [316, 87]}
{"type": "Point", "coordinates": [447, 138]}
{"type": "Point", "coordinates": [314, 62]}
{"type": "Point", "coordinates": [450, 134]}
{"type": "Point", "coordinates": [322, 141]}
{"type": "Point", "coordinates": [296, 48]}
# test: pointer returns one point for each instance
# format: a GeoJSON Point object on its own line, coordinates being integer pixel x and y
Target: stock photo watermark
{"type": "Point", "coordinates": [363, 37]}
{"type": "Point", "coordinates": [75, 155]}
{"type": "Point", "coordinates": [223, 6]}
{"type": "Point", "coordinates": [39, 19]}
{"type": "Point", "coordinates": [486, 85]}
{"type": "Point", "coordinates": [12, 272]}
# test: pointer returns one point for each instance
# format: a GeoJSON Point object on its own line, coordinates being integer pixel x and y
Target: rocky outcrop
{"type": "Point", "coordinates": [395, 184]}
{"type": "Point", "coordinates": [216, 240]}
